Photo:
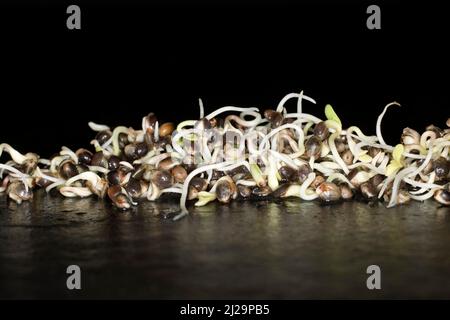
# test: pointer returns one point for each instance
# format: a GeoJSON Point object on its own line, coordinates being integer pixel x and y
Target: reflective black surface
{"type": "Point", "coordinates": [245, 250]}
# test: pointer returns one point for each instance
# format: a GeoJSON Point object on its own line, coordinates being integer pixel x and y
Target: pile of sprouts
{"type": "Point", "coordinates": [239, 153]}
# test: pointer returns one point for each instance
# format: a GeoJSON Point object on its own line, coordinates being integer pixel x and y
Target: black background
{"type": "Point", "coordinates": [131, 58]}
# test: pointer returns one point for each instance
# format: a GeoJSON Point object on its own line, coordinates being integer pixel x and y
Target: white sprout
{"type": "Point", "coordinates": [67, 152]}
{"type": "Point", "coordinates": [16, 156]}
{"type": "Point", "coordinates": [191, 175]}
{"type": "Point", "coordinates": [202, 109]}
{"type": "Point", "coordinates": [300, 96]}
{"type": "Point", "coordinates": [304, 188]}
{"type": "Point", "coordinates": [228, 109]}
{"type": "Point", "coordinates": [380, 118]}
{"type": "Point", "coordinates": [72, 192]}
{"type": "Point", "coordinates": [98, 127]}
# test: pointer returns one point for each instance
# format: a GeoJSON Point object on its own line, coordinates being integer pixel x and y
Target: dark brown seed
{"type": "Point", "coordinates": [244, 191]}
{"type": "Point", "coordinates": [239, 176]}
{"type": "Point", "coordinates": [199, 183]}
{"type": "Point", "coordinates": [162, 179]}
{"type": "Point", "coordinates": [281, 191]}
{"type": "Point", "coordinates": [317, 181]}
{"type": "Point", "coordinates": [277, 121]}
{"type": "Point", "coordinates": [443, 197]}
{"type": "Point", "coordinates": [352, 173]}
{"type": "Point", "coordinates": [346, 191]}
{"type": "Point", "coordinates": [275, 118]}
{"type": "Point", "coordinates": [113, 177]}
{"type": "Point", "coordinates": [113, 162]}
{"type": "Point", "coordinates": [103, 136]}
{"type": "Point", "coordinates": [261, 191]}
{"type": "Point", "coordinates": [141, 150]}
{"type": "Point", "coordinates": [133, 187]}
{"type": "Point", "coordinates": [321, 131]}
{"type": "Point", "coordinates": [98, 159]}
{"type": "Point", "coordinates": [269, 114]}
{"type": "Point", "coordinates": [189, 167]}
{"type": "Point", "coordinates": [68, 169]}
{"type": "Point", "coordinates": [303, 173]}
{"type": "Point", "coordinates": [216, 123]}
{"type": "Point", "coordinates": [288, 174]}
{"type": "Point", "coordinates": [373, 151]}
{"type": "Point", "coordinates": [179, 173]}
{"type": "Point", "coordinates": [151, 120]}
{"type": "Point", "coordinates": [368, 190]}
{"type": "Point", "coordinates": [328, 192]}
{"type": "Point", "coordinates": [113, 193]}
{"type": "Point", "coordinates": [340, 144]}
{"type": "Point", "coordinates": [347, 156]}
{"type": "Point", "coordinates": [123, 140]}
{"type": "Point", "coordinates": [376, 181]}
{"type": "Point", "coordinates": [358, 176]}
{"type": "Point", "coordinates": [213, 122]}
{"type": "Point", "coordinates": [166, 129]}
{"type": "Point", "coordinates": [40, 182]}
{"type": "Point", "coordinates": [414, 149]}
{"type": "Point", "coordinates": [130, 151]}
{"type": "Point", "coordinates": [192, 193]}
{"type": "Point", "coordinates": [238, 170]}
{"type": "Point", "coordinates": [216, 174]}
{"type": "Point", "coordinates": [441, 167]}
{"type": "Point", "coordinates": [165, 164]}
{"type": "Point", "coordinates": [224, 191]}
{"type": "Point", "coordinates": [403, 197]}
{"type": "Point", "coordinates": [84, 156]}
{"type": "Point", "coordinates": [313, 147]}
